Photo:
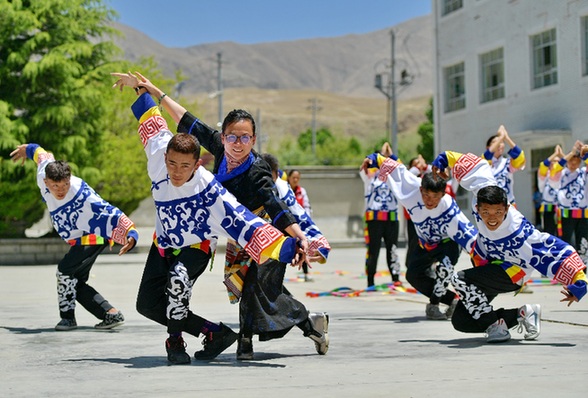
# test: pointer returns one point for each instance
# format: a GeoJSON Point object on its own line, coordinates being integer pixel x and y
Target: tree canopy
{"type": "Point", "coordinates": [55, 62]}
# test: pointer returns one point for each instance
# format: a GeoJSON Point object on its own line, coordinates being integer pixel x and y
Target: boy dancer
{"type": "Point", "coordinates": [506, 249]}
{"type": "Point", "coordinates": [193, 209]}
{"type": "Point", "coordinates": [441, 228]}
{"type": "Point", "coordinates": [381, 220]}
{"type": "Point", "coordinates": [266, 308]}
{"type": "Point", "coordinates": [89, 224]}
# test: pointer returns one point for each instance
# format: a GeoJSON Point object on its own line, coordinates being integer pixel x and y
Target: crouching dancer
{"type": "Point", "coordinates": [193, 210]}
{"type": "Point", "coordinates": [442, 230]}
{"type": "Point", "coordinates": [89, 224]}
{"type": "Point", "coordinates": [506, 249]}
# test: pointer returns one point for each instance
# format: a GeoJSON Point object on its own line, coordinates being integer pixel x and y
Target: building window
{"type": "Point", "coordinates": [492, 64]}
{"type": "Point", "coordinates": [584, 46]}
{"type": "Point", "coordinates": [455, 87]}
{"type": "Point", "coordinates": [450, 6]}
{"type": "Point", "coordinates": [544, 59]}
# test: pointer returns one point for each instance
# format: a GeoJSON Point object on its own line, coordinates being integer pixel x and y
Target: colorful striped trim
{"type": "Point", "coordinates": [430, 246]}
{"type": "Point", "coordinates": [574, 213]}
{"type": "Point", "coordinates": [204, 246]}
{"type": "Point", "coordinates": [380, 215]}
{"type": "Point", "coordinates": [87, 240]}
{"type": "Point", "coordinates": [547, 208]}
{"type": "Point", "coordinates": [515, 273]}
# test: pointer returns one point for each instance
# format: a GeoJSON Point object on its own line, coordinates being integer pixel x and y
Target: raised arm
{"type": "Point", "coordinates": [517, 154]}
{"type": "Point", "coordinates": [20, 153]}
{"type": "Point", "coordinates": [140, 82]}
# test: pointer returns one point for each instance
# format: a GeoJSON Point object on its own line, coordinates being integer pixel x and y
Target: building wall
{"type": "Point", "coordinates": [534, 118]}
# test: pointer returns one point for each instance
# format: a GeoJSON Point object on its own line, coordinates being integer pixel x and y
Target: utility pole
{"type": "Point", "coordinates": [389, 90]}
{"type": "Point", "coordinates": [392, 85]}
{"type": "Point", "coordinates": [219, 87]}
{"type": "Point", "coordinates": [314, 108]}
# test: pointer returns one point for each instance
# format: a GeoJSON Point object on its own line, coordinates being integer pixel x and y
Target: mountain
{"type": "Point", "coordinates": [342, 65]}
{"type": "Point", "coordinates": [340, 71]}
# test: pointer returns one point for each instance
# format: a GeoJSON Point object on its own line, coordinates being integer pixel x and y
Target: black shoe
{"type": "Point", "coordinates": [176, 351]}
{"type": "Point", "coordinates": [216, 342]}
{"type": "Point", "coordinates": [111, 321]}
{"type": "Point", "coordinates": [66, 324]}
{"type": "Point", "coordinates": [244, 349]}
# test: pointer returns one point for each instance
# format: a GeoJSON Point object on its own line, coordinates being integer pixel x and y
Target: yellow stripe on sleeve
{"type": "Point", "coordinates": [452, 157]}
{"type": "Point", "coordinates": [519, 161]}
{"type": "Point", "coordinates": [38, 151]}
{"type": "Point", "coordinates": [272, 251]}
{"type": "Point", "coordinates": [154, 111]}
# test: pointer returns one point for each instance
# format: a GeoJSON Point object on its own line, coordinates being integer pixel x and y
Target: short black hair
{"type": "Point", "coordinates": [411, 162]}
{"type": "Point", "coordinates": [234, 116]}
{"type": "Point", "coordinates": [432, 183]}
{"type": "Point", "coordinates": [58, 171]}
{"type": "Point", "coordinates": [490, 140]}
{"type": "Point", "coordinates": [184, 143]}
{"type": "Point", "coordinates": [492, 195]}
{"type": "Point", "coordinates": [271, 160]}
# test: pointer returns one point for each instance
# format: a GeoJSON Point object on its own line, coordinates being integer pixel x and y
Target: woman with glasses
{"type": "Point", "coordinates": [266, 308]}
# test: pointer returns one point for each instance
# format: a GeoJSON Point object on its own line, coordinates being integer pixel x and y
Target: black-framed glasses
{"type": "Point", "coordinates": [232, 138]}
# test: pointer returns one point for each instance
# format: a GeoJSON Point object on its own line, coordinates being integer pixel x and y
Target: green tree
{"type": "Point", "coordinates": [426, 131]}
{"type": "Point", "coordinates": [322, 136]}
{"type": "Point", "coordinates": [55, 59]}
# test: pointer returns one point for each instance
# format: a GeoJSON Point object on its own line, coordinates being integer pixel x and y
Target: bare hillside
{"type": "Point", "coordinates": [276, 81]}
{"type": "Point", "coordinates": [342, 65]}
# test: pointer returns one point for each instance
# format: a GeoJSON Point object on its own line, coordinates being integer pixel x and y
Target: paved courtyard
{"type": "Point", "coordinates": [381, 344]}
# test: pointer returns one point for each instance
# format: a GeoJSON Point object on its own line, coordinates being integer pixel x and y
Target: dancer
{"type": "Point", "coordinates": [507, 249]}
{"type": "Point", "coordinates": [441, 227]}
{"type": "Point", "coordinates": [193, 209]}
{"type": "Point", "coordinates": [381, 219]}
{"type": "Point", "coordinates": [266, 307]}
{"type": "Point", "coordinates": [89, 224]}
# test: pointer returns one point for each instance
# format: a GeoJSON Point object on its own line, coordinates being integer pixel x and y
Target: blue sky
{"type": "Point", "coordinates": [182, 23]}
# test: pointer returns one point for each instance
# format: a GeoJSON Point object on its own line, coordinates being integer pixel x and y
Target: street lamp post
{"type": "Point", "coordinates": [389, 90]}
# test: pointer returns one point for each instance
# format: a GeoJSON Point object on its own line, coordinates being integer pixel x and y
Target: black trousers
{"type": "Point", "coordinates": [267, 308]}
{"type": "Point", "coordinates": [420, 275]}
{"type": "Point", "coordinates": [477, 287]}
{"type": "Point", "coordinates": [412, 239]}
{"type": "Point", "coordinates": [378, 230]}
{"type": "Point", "coordinates": [548, 223]}
{"type": "Point", "coordinates": [166, 287]}
{"type": "Point", "coordinates": [576, 228]}
{"type": "Point", "coordinates": [73, 272]}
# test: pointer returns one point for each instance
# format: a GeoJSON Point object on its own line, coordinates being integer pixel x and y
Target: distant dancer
{"type": "Point", "coordinates": [381, 219]}
{"type": "Point", "coordinates": [89, 224]}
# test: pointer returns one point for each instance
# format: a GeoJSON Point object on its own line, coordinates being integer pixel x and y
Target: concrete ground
{"type": "Point", "coordinates": [381, 344]}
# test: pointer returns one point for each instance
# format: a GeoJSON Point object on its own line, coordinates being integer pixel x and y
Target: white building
{"type": "Point", "coordinates": [520, 63]}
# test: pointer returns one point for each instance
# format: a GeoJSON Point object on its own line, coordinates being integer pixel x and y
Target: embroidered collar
{"type": "Point", "coordinates": [223, 175]}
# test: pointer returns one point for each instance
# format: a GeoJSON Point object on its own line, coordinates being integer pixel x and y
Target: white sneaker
{"type": "Point", "coordinates": [432, 311]}
{"type": "Point", "coordinates": [497, 332]}
{"type": "Point", "coordinates": [320, 323]}
{"type": "Point", "coordinates": [530, 319]}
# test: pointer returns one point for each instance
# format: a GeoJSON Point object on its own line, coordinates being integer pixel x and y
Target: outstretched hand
{"type": "Point", "coordinates": [300, 257]}
{"type": "Point", "coordinates": [365, 165]}
{"type": "Point", "coordinates": [125, 79]}
{"type": "Point", "coordinates": [20, 153]}
{"type": "Point", "coordinates": [437, 172]}
{"type": "Point", "coordinates": [569, 297]}
{"type": "Point", "coordinates": [128, 246]}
